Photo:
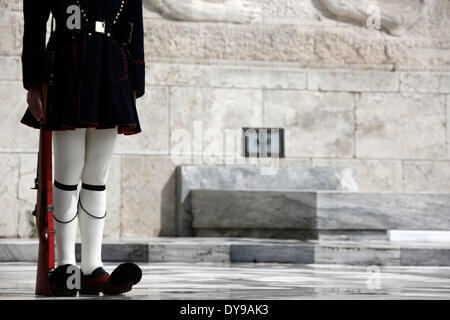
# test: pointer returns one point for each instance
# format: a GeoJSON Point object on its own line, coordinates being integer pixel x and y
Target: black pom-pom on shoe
{"type": "Point", "coordinates": [120, 281]}
{"type": "Point", "coordinates": [126, 273]}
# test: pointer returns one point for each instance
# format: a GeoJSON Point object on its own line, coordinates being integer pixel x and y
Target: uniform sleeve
{"type": "Point", "coordinates": [137, 48]}
{"type": "Point", "coordinates": [36, 14]}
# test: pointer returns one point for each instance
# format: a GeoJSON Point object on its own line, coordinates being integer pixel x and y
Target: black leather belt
{"type": "Point", "coordinates": [122, 32]}
{"type": "Point", "coordinates": [97, 26]}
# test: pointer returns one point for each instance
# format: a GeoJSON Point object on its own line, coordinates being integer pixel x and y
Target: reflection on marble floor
{"type": "Point", "coordinates": [259, 281]}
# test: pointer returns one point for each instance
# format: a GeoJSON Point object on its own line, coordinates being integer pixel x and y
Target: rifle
{"type": "Point", "coordinates": [44, 205]}
{"type": "Point", "coordinates": [43, 182]}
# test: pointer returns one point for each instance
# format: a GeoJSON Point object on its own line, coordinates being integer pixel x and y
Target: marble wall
{"type": "Point", "coordinates": [347, 96]}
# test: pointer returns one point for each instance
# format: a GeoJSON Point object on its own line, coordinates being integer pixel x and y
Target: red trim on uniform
{"type": "Point", "coordinates": [125, 66]}
{"type": "Point", "coordinates": [123, 128]}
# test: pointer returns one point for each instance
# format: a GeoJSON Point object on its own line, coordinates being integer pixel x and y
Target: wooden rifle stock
{"type": "Point", "coordinates": [44, 204]}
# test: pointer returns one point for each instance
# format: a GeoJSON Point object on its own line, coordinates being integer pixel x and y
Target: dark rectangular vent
{"type": "Point", "coordinates": [263, 142]}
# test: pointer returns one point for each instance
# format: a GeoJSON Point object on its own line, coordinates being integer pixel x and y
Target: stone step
{"type": "Point", "coordinates": [291, 213]}
{"type": "Point", "coordinates": [232, 250]}
{"type": "Point", "coordinates": [193, 177]}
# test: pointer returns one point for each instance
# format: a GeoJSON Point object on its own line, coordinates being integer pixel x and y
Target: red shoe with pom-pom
{"type": "Point", "coordinates": [120, 281]}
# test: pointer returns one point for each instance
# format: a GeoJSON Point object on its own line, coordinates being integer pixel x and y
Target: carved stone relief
{"type": "Point", "coordinates": [395, 16]}
{"type": "Point", "coordinates": [233, 11]}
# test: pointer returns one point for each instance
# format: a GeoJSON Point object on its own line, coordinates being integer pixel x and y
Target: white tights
{"type": "Point", "coordinates": [81, 154]}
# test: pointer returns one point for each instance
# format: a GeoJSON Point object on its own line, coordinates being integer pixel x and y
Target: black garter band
{"type": "Point", "coordinates": [92, 188]}
{"type": "Point", "coordinates": [65, 187]}
{"type": "Point", "coordinates": [86, 186]}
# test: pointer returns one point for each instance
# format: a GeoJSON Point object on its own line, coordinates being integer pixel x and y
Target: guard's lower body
{"type": "Point", "coordinates": [81, 155]}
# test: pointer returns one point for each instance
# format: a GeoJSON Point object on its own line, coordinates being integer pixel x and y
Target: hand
{"type": "Point", "coordinates": [34, 100]}
{"type": "Point", "coordinates": [134, 95]}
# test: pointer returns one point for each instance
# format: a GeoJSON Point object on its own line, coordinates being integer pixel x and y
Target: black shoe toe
{"type": "Point", "coordinates": [126, 273]}
{"type": "Point", "coordinates": [59, 280]}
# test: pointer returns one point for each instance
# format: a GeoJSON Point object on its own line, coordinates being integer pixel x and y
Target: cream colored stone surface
{"type": "Point", "coordinates": [179, 74]}
{"type": "Point", "coordinates": [10, 68]}
{"type": "Point", "coordinates": [153, 112]}
{"type": "Point", "coordinates": [26, 199]}
{"type": "Point", "coordinates": [185, 40]}
{"type": "Point", "coordinates": [316, 124]}
{"type": "Point", "coordinates": [7, 33]}
{"type": "Point", "coordinates": [240, 161]}
{"type": "Point", "coordinates": [436, 23]}
{"type": "Point", "coordinates": [349, 80]}
{"type": "Point", "coordinates": [15, 135]}
{"type": "Point", "coordinates": [263, 77]}
{"type": "Point", "coordinates": [11, 30]}
{"type": "Point", "coordinates": [202, 117]}
{"type": "Point", "coordinates": [226, 76]}
{"type": "Point", "coordinates": [285, 162]}
{"type": "Point", "coordinates": [371, 175]}
{"type": "Point", "coordinates": [422, 52]}
{"type": "Point", "coordinates": [344, 46]}
{"type": "Point", "coordinates": [13, 5]}
{"type": "Point", "coordinates": [229, 41]}
{"type": "Point", "coordinates": [295, 12]}
{"type": "Point", "coordinates": [148, 197]}
{"type": "Point", "coordinates": [338, 45]}
{"type": "Point", "coordinates": [427, 176]}
{"type": "Point", "coordinates": [9, 180]}
{"type": "Point", "coordinates": [396, 126]}
{"type": "Point", "coordinates": [448, 126]}
{"type": "Point", "coordinates": [426, 82]}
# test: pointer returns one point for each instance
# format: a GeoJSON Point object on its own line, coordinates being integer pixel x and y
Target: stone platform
{"type": "Point", "coordinates": [241, 250]}
{"type": "Point", "coordinates": [226, 179]}
{"type": "Point", "coordinates": [306, 213]}
{"type": "Point", "coordinates": [208, 280]}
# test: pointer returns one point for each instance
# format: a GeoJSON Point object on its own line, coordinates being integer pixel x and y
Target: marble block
{"type": "Point", "coordinates": [18, 250]}
{"type": "Point", "coordinates": [251, 178]}
{"type": "Point", "coordinates": [319, 210]}
{"type": "Point", "coordinates": [425, 257]}
{"type": "Point", "coordinates": [282, 253]}
{"type": "Point", "coordinates": [254, 209]}
{"type": "Point", "coordinates": [226, 250]}
{"type": "Point", "coordinates": [192, 252]}
{"type": "Point", "coordinates": [383, 210]}
{"type": "Point", "coordinates": [119, 252]}
{"type": "Point", "coordinates": [356, 254]}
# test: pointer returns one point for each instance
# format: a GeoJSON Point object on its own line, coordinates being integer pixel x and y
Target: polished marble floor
{"type": "Point", "coordinates": [258, 281]}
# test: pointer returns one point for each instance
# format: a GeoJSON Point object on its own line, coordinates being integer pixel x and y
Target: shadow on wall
{"type": "Point", "coordinates": [168, 208]}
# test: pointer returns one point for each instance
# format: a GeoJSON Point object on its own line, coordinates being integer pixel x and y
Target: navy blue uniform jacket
{"type": "Point", "coordinates": [95, 74]}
